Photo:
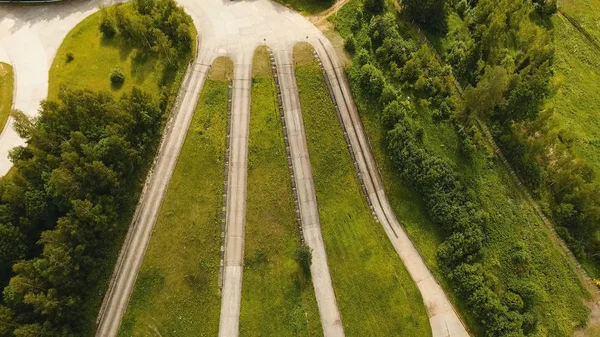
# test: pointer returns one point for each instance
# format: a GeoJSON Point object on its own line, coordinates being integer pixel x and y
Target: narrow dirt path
{"type": "Point", "coordinates": [320, 19]}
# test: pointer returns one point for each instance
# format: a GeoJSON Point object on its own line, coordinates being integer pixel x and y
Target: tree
{"type": "Point", "coordinates": [430, 14]}
{"type": "Point", "coordinates": [489, 92]}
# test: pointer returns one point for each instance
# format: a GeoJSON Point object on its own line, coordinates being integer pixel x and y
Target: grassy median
{"type": "Point", "coordinates": [374, 291]}
{"type": "Point", "coordinates": [176, 293]}
{"type": "Point", "coordinates": [275, 288]}
{"type": "Point", "coordinates": [7, 82]}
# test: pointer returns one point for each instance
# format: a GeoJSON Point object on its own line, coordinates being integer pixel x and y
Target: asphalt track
{"type": "Point", "coordinates": [29, 39]}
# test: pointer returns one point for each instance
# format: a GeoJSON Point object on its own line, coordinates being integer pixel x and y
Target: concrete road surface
{"type": "Point", "coordinates": [442, 317]}
{"type": "Point", "coordinates": [236, 198]}
{"type": "Point", "coordinates": [307, 199]}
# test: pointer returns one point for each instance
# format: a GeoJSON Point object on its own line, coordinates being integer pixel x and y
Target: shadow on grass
{"type": "Point", "coordinates": [119, 43]}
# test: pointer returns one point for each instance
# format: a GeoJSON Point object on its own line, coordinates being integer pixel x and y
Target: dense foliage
{"type": "Point", "coordinates": [157, 26]}
{"type": "Point", "coordinates": [431, 14]}
{"type": "Point", "coordinates": [71, 193]}
{"type": "Point", "coordinates": [509, 89]}
{"type": "Point", "coordinates": [445, 196]}
{"type": "Point", "coordinates": [389, 68]}
{"type": "Point", "coordinates": [67, 191]}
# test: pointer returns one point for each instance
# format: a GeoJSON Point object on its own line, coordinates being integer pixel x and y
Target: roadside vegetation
{"type": "Point", "coordinates": [375, 293]}
{"type": "Point", "coordinates": [7, 83]}
{"type": "Point", "coordinates": [176, 292]}
{"type": "Point", "coordinates": [505, 273]}
{"type": "Point", "coordinates": [277, 287]}
{"type": "Point", "coordinates": [134, 40]}
{"type": "Point", "coordinates": [68, 201]}
{"type": "Point", "coordinates": [307, 6]}
{"type": "Point", "coordinates": [575, 107]}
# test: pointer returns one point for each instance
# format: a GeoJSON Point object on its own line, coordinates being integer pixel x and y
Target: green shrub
{"type": "Point", "coordinates": [304, 255]}
{"type": "Point", "coordinates": [117, 77]}
{"type": "Point", "coordinates": [108, 24]}
{"type": "Point", "coordinates": [350, 44]}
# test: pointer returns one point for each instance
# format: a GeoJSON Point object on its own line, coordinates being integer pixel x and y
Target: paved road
{"type": "Point", "coordinates": [307, 200]}
{"type": "Point", "coordinates": [29, 39]}
{"type": "Point", "coordinates": [140, 231]}
{"type": "Point", "coordinates": [442, 317]}
{"type": "Point", "coordinates": [236, 199]}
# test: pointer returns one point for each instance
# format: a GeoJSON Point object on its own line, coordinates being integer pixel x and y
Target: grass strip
{"type": "Point", "coordinates": [275, 287]}
{"type": "Point", "coordinates": [176, 293]}
{"type": "Point", "coordinates": [307, 6]}
{"type": "Point", "coordinates": [374, 291]}
{"type": "Point", "coordinates": [7, 82]}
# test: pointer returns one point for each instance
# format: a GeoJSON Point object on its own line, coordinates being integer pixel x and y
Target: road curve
{"type": "Point", "coordinates": [307, 201]}
{"type": "Point", "coordinates": [140, 231]}
{"type": "Point", "coordinates": [236, 203]}
{"type": "Point", "coordinates": [30, 36]}
{"type": "Point", "coordinates": [443, 318]}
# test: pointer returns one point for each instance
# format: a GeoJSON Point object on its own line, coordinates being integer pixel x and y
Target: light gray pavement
{"type": "Point", "coordinates": [307, 200]}
{"type": "Point", "coordinates": [442, 317]}
{"type": "Point", "coordinates": [236, 195]}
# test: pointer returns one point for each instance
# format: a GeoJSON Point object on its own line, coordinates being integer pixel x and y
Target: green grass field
{"type": "Point", "coordinates": [275, 289]}
{"type": "Point", "coordinates": [577, 103]}
{"type": "Point", "coordinates": [7, 83]}
{"type": "Point", "coordinates": [375, 294]}
{"type": "Point", "coordinates": [586, 12]}
{"type": "Point", "coordinates": [559, 294]}
{"type": "Point", "coordinates": [577, 76]}
{"type": "Point", "coordinates": [176, 293]}
{"type": "Point", "coordinates": [89, 70]}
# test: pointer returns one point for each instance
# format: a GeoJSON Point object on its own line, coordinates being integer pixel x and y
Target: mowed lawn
{"type": "Point", "coordinates": [7, 82]}
{"type": "Point", "coordinates": [586, 13]}
{"type": "Point", "coordinates": [95, 57]}
{"type": "Point", "coordinates": [277, 297]}
{"type": "Point", "coordinates": [375, 293]}
{"type": "Point", "coordinates": [176, 293]}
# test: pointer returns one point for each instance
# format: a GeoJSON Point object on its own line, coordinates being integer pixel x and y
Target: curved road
{"type": "Point", "coordinates": [442, 317]}
{"type": "Point", "coordinates": [29, 39]}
